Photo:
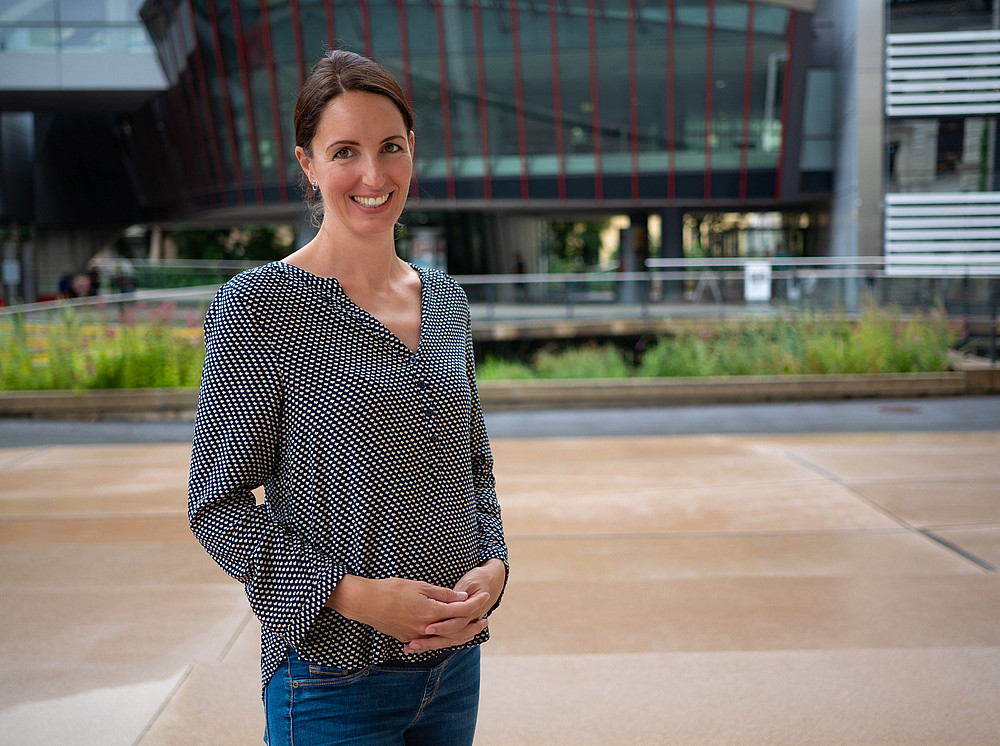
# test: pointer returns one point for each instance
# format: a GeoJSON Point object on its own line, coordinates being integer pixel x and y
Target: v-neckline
{"type": "Point", "coordinates": [335, 290]}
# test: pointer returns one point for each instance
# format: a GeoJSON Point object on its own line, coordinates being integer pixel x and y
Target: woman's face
{"type": "Point", "coordinates": [362, 160]}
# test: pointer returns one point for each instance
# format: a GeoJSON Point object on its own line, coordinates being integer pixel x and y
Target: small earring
{"type": "Point", "coordinates": [315, 186]}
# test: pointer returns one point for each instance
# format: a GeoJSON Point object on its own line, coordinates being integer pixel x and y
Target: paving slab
{"type": "Point", "coordinates": [724, 589]}
{"type": "Point", "coordinates": [958, 501]}
{"type": "Point", "coordinates": [777, 697]}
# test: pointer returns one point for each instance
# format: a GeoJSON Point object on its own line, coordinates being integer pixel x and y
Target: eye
{"type": "Point", "coordinates": [393, 147]}
{"type": "Point", "coordinates": [342, 153]}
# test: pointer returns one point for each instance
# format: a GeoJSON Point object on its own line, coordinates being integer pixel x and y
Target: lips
{"type": "Point", "coordinates": [372, 201]}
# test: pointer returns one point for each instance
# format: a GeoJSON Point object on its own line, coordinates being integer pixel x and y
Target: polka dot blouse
{"type": "Point", "coordinates": [374, 460]}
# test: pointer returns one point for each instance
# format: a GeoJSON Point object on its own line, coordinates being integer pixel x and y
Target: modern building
{"type": "Point", "coordinates": [527, 111]}
{"type": "Point", "coordinates": [771, 113]}
{"type": "Point", "coordinates": [78, 78]}
{"type": "Point", "coordinates": [942, 206]}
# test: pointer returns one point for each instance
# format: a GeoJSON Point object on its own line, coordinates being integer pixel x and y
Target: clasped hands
{"type": "Point", "coordinates": [424, 616]}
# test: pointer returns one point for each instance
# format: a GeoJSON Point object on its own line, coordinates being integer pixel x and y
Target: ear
{"type": "Point", "coordinates": [413, 143]}
{"type": "Point", "coordinates": [305, 162]}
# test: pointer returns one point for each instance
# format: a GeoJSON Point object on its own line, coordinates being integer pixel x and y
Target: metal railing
{"type": "Point", "coordinates": [669, 287]}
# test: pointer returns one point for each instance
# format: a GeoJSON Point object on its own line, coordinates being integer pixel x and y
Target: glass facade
{"type": "Point", "coordinates": [85, 26]}
{"type": "Point", "coordinates": [577, 101]}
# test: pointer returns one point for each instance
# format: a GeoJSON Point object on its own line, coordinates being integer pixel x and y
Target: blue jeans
{"type": "Point", "coordinates": [310, 705]}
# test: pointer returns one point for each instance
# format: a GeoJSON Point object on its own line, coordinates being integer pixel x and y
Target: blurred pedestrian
{"type": "Point", "coordinates": [94, 275]}
{"type": "Point", "coordinates": [65, 286]}
{"type": "Point", "coordinates": [79, 286]}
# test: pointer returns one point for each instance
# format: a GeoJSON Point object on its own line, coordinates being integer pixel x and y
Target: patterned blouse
{"type": "Point", "coordinates": [374, 460]}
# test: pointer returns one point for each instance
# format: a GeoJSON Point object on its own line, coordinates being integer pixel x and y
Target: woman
{"type": "Point", "coordinates": [342, 381]}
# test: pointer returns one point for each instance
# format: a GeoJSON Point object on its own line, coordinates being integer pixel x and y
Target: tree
{"type": "Point", "coordinates": [258, 243]}
{"type": "Point", "coordinates": [576, 243]}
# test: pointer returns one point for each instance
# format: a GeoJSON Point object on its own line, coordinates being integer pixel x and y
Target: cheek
{"type": "Point", "coordinates": [403, 170]}
{"type": "Point", "coordinates": [339, 178]}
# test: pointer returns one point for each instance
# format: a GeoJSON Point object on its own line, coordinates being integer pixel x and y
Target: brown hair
{"type": "Point", "coordinates": [337, 72]}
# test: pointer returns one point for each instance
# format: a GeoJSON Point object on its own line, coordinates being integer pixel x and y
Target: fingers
{"type": "Point", "coordinates": [409, 610]}
{"type": "Point", "coordinates": [448, 627]}
{"type": "Point", "coordinates": [444, 595]}
{"type": "Point", "coordinates": [471, 608]}
{"type": "Point", "coordinates": [435, 642]}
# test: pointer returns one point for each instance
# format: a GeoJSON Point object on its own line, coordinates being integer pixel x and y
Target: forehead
{"type": "Point", "coordinates": [371, 113]}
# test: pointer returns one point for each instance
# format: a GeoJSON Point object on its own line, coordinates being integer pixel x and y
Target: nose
{"type": "Point", "coordinates": [372, 171]}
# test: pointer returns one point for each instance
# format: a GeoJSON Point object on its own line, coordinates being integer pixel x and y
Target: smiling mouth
{"type": "Point", "coordinates": [372, 201]}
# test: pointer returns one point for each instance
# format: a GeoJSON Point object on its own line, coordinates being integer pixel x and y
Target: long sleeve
{"type": "Point", "coordinates": [491, 536]}
{"type": "Point", "coordinates": [236, 450]}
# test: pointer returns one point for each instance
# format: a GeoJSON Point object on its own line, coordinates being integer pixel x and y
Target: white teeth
{"type": "Point", "coordinates": [371, 201]}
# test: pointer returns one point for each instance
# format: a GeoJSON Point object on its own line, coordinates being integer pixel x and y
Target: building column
{"type": "Point", "coordinates": [633, 250]}
{"type": "Point", "coordinates": [856, 209]}
{"type": "Point", "coordinates": [672, 247]}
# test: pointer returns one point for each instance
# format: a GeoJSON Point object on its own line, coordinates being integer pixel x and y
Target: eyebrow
{"type": "Point", "coordinates": [343, 143]}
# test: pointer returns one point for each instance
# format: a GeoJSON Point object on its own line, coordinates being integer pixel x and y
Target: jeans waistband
{"type": "Point", "coordinates": [433, 661]}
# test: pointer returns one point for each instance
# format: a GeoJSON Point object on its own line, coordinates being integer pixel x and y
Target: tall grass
{"type": "Point", "coordinates": [69, 354]}
{"type": "Point", "coordinates": [587, 361]}
{"type": "Point", "coordinates": [72, 354]}
{"type": "Point", "coordinates": [881, 342]}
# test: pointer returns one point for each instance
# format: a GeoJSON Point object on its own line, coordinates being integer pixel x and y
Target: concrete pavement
{"type": "Point", "coordinates": [708, 588]}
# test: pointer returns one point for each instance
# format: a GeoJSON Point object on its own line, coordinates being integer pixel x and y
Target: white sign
{"type": "Point", "coordinates": [11, 272]}
{"type": "Point", "coordinates": [757, 281]}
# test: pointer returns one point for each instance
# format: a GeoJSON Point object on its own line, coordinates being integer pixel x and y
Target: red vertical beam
{"type": "Point", "coordinates": [241, 59]}
{"type": "Point", "coordinates": [747, 84]}
{"type": "Point", "coordinates": [404, 49]}
{"type": "Point", "coordinates": [709, 86]}
{"type": "Point", "coordinates": [445, 101]}
{"type": "Point", "coordinates": [200, 134]}
{"type": "Point", "coordinates": [785, 90]}
{"type": "Point", "coordinates": [300, 64]}
{"type": "Point", "coordinates": [227, 109]}
{"type": "Point", "coordinates": [595, 110]}
{"type": "Point", "coordinates": [185, 92]}
{"type": "Point", "coordinates": [557, 116]}
{"type": "Point", "coordinates": [522, 138]}
{"type": "Point", "coordinates": [633, 100]}
{"type": "Point", "coordinates": [206, 105]}
{"type": "Point", "coordinates": [484, 123]}
{"type": "Point", "coordinates": [272, 82]}
{"type": "Point", "coordinates": [671, 106]}
{"type": "Point", "coordinates": [366, 27]}
{"type": "Point", "coordinates": [331, 28]}
{"type": "Point", "coordinates": [181, 171]}
{"type": "Point", "coordinates": [404, 53]}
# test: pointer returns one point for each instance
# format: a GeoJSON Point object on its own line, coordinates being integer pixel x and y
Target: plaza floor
{"type": "Point", "coordinates": [825, 588]}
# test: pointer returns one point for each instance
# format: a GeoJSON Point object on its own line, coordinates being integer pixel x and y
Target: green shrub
{"type": "Point", "coordinates": [498, 369]}
{"type": "Point", "coordinates": [68, 354]}
{"type": "Point", "coordinates": [878, 343]}
{"type": "Point", "coordinates": [588, 361]}
{"type": "Point", "coordinates": [74, 353]}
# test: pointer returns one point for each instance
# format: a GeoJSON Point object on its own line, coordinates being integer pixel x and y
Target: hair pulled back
{"type": "Point", "coordinates": [337, 72]}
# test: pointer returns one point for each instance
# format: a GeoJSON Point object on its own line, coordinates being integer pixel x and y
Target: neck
{"type": "Point", "coordinates": [370, 261]}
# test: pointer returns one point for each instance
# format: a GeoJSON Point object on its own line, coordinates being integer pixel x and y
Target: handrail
{"type": "Point", "coordinates": [638, 285]}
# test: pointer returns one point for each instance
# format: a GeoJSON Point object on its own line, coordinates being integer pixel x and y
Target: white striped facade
{"type": "Point", "coordinates": [948, 234]}
{"type": "Point", "coordinates": [950, 73]}
{"type": "Point", "coordinates": [937, 75]}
